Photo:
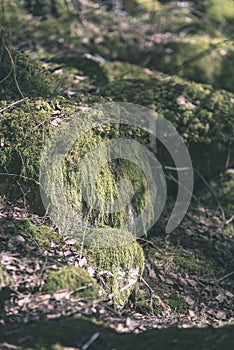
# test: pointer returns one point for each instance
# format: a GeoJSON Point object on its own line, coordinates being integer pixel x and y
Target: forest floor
{"type": "Point", "coordinates": [185, 298]}
{"type": "Point", "coordinates": [188, 282]}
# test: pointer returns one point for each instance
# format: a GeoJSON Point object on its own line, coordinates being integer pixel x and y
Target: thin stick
{"type": "Point", "coordinates": [90, 341]}
{"type": "Point", "coordinates": [12, 104]}
{"type": "Point", "coordinates": [14, 71]}
{"type": "Point", "coordinates": [213, 194]}
{"type": "Point", "coordinates": [226, 276]}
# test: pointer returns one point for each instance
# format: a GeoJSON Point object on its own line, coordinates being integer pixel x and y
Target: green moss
{"type": "Point", "coordinates": [220, 11]}
{"type": "Point", "coordinates": [193, 265]}
{"type": "Point", "coordinates": [123, 257]}
{"type": "Point", "coordinates": [195, 258]}
{"type": "Point", "coordinates": [42, 234]}
{"type": "Point", "coordinates": [21, 76]}
{"type": "Point", "coordinates": [178, 304]}
{"type": "Point", "coordinates": [72, 278]}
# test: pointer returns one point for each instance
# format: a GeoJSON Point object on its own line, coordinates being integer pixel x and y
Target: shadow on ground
{"type": "Point", "coordinates": [83, 334]}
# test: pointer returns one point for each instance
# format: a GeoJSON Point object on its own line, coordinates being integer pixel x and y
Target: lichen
{"type": "Point", "coordinates": [74, 279]}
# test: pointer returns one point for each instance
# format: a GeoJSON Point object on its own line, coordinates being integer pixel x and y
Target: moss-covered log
{"type": "Point", "coordinates": [202, 116]}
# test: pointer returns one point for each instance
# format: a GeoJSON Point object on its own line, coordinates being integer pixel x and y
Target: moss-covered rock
{"type": "Point", "coordinates": [87, 67]}
{"type": "Point", "coordinates": [202, 116]}
{"type": "Point", "coordinates": [20, 76]}
{"type": "Point", "coordinates": [116, 251]}
{"type": "Point", "coordinates": [24, 137]}
{"type": "Point", "coordinates": [23, 131]}
{"type": "Point", "coordinates": [74, 279]}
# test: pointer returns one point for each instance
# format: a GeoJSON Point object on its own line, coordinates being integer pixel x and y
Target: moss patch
{"type": "Point", "coordinates": [73, 279]}
{"type": "Point", "coordinates": [177, 304]}
{"type": "Point", "coordinates": [43, 234]}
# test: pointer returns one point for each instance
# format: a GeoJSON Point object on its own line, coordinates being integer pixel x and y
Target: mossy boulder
{"type": "Point", "coordinates": [74, 279]}
{"type": "Point", "coordinates": [24, 134]}
{"type": "Point", "coordinates": [116, 251]}
{"type": "Point", "coordinates": [20, 76]}
{"type": "Point", "coordinates": [202, 116]}
{"type": "Point", "coordinates": [197, 58]}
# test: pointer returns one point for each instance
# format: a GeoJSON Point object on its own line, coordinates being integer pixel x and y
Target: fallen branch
{"type": "Point", "coordinates": [12, 104]}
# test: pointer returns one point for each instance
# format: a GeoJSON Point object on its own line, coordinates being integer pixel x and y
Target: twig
{"type": "Point", "coordinates": [22, 177]}
{"type": "Point", "coordinates": [212, 192]}
{"type": "Point", "coordinates": [153, 295]}
{"type": "Point", "coordinates": [171, 177]}
{"type": "Point", "coordinates": [150, 243]}
{"type": "Point", "coordinates": [14, 70]}
{"type": "Point", "coordinates": [90, 341]}
{"type": "Point", "coordinates": [229, 220]}
{"type": "Point", "coordinates": [12, 104]}
{"type": "Point", "coordinates": [201, 54]}
{"type": "Point", "coordinates": [225, 276]}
